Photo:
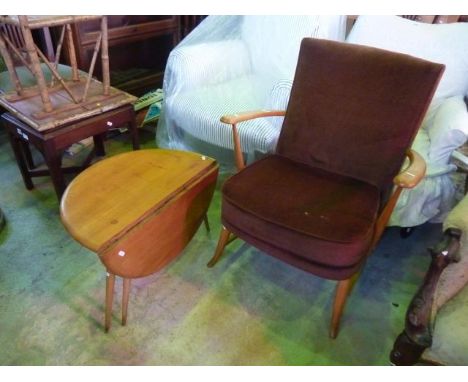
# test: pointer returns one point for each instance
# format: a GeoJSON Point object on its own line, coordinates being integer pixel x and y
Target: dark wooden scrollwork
{"type": "Point", "coordinates": [417, 335]}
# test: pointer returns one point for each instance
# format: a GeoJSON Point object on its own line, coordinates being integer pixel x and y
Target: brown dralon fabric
{"type": "Point", "coordinates": [328, 272]}
{"type": "Point", "coordinates": [354, 110]}
{"type": "Point", "coordinates": [352, 114]}
{"type": "Point", "coordinates": [313, 215]}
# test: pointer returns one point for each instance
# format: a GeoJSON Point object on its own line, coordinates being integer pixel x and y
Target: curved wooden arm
{"type": "Point", "coordinates": [234, 119]}
{"type": "Point", "coordinates": [413, 174]}
{"type": "Point", "coordinates": [408, 178]}
{"type": "Point", "coordinates": [241, 117]}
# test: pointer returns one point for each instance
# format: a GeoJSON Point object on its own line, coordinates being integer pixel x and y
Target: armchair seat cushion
{"type": "Point", "coordinates": [313, 219]}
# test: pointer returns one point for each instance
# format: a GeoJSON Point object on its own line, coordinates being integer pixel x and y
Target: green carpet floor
{"type": "Point", "coordinates": [250, 309]}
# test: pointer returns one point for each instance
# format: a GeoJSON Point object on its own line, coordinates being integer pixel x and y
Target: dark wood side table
{"type": "Point", "coordinates": [53, 142]}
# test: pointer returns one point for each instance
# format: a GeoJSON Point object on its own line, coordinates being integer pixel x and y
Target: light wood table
{"type": "Point", "coordinates": [137, 211]}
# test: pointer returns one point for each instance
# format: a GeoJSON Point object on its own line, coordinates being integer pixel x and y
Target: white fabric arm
{"type": "Point", "coordinates": [435, 171]}
{"type": "Point", "coordinates": [205, 64]}
{"type": "Point", "coordinates": [448, 131]}
{"type": "Point", "coordinates": [278, 99]}
{"type": "Point", "coordinates": [279, 95]}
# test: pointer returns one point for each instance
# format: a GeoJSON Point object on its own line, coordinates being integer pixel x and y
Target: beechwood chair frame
{"type": "Point", "coordinates": [407, 178]}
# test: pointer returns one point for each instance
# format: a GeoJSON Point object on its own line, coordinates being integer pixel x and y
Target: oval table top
{"type": "Point", "coordinates": [113, 195]}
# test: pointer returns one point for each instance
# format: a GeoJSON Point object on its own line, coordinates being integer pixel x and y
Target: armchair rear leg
{"type": "Point", "coordinates": [222, 242]}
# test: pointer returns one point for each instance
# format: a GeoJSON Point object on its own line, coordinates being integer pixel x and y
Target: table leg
{"type": "Point", "coordinates": [110, 281]}
{"type": "Point", "coordinates": [207, 223]}
{"type": "Point", "coordinates": [16, 146]}
{"type": "Point", "coordinates": [99, 145]}
{"type": "Point", "coordinates": [54, 163]}
{"type": "Point", "coordinates": [134, 133]}
{"type": "Point", "coordinates": [125, 298]}
{"type": "Point", "coordinates": [27, 154]}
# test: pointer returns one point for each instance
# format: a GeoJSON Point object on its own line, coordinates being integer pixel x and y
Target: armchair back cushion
{"type": "Point", "coordinates": [361, 137]}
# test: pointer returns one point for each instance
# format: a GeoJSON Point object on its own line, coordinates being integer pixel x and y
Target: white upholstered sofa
{"type": "Point", "coordinates": [230, 64]}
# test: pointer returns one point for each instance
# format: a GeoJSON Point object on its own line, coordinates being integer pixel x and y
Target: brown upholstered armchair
{"type": "Point", "coordinates": [322, 200]}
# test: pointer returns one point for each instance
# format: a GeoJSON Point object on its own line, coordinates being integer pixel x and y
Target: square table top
{"type": "Point", "coordinates": [30, 109]}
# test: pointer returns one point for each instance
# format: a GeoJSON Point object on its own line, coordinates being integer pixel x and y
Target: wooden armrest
{"type": "Point", "coordinates": [408, 178]}
{"type": "Point", "coordinates": [413, 174]}
{"type": "Point", "coordinates": [236, 118]}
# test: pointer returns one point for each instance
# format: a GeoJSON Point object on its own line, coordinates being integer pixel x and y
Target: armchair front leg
{"type": "Point", "coordinates": [234, 119]}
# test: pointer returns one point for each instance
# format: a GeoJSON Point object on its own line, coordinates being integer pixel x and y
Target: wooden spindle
{"type": "Point", "coordinates": [10, 66]}
{"type": "Point", "coordinates": [56, 74]}
{"type": "Point", "coordinates": [47, 42]}
{"type": "Point", "coordinates": [58, 52]}
{"type": "Point", "coordinates": [35, 64]}
{"type": "Point", "coordinates": [18, 54]}
{"type": "Point", "coordinates": [72, 53]}
{"type": "Point", "coordinates": [20, 36]}
{"type": "Point", "coordinates": [91, 67]}
{"type": "Point", "coordinates": [15, 35]}
{"type": "Point", "coordinates": [105, 57]}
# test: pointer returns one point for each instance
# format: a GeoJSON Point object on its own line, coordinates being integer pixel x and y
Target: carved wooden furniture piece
{"type": "Point", "coordinates": [137, 211]}
{"type": "Point", "coordinates": [53, 142]}
{"type": "Point", "coordinates": [63, 100]}
{"type": "Point", "coordinates": [328, 201]}
{"type": "Point", "coordinates": [435, 326]}
{"type": "Point", "coordinates": [419, 323]}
